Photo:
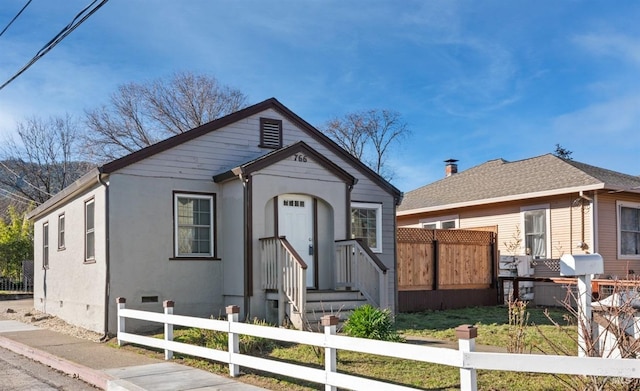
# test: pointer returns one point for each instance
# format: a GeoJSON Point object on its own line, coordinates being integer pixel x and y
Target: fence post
{"type": "Point", "coordinates": [168, 327]}
{"type": "Point", "coordinates": [467, 343]}
{"type": "Point", "coordinates": [233, 312]}
{"type": "Point", "coordinates": [121, 301]}
{"type": "Point", "coordinates": [329, 322]}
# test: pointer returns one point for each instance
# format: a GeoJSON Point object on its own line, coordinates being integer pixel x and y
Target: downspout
{"type": "Point", "coordinates": [247, 243]}
{"type": "Point", "coordinates": [584, 197]}
{"type": "Point", "coordinates": [107, 277]}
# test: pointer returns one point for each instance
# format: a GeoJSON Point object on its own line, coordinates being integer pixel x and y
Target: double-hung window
{"type": "Point", "coordinates": [628, 230]}
{"type": "Point", "coordinates": [89, 231]}
{"type": "Point", "coordinates": [194, 216]}
{"type": "Point", "coordinates": [536, 238]}
{"type": "Point", "coordinates": [61, 232]}
{"type": "Point", "coordinates": [45, 245]}
{"type": "Point", "coordinates": [366, 224]}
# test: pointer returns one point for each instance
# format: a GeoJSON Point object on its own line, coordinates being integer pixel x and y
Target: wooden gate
{"type": "Point", "coordinates": [440, 269]}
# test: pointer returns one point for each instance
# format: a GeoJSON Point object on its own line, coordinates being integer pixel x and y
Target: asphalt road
{"type": "Point", "coordinates": [19, 373]}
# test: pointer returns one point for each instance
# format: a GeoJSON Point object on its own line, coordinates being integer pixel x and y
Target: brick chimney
{"type": "Point", "coordinates": [450, 168]}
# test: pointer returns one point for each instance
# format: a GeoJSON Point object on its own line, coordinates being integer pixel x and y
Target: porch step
{"type": "Point", "coordinates": [337, 303]}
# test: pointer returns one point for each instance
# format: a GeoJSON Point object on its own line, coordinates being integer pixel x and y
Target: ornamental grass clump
{"type": "Point", "coordinates": [373, 323]}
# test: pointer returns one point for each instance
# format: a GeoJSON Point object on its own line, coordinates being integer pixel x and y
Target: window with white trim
{"type": "Point", "coordinates": [89, 230]}
{"type": "Point", "coordinates": [366, 224]}
{"type": "Point", "coordinates": [45, 245]}
{"type": "Point", "coordinates": [628, 230]}
{"type": "Point", "coordinates": [536, 230]}
{"type": "Point", "coordinates": [193, 225]}
{"type": "Point", "coordinates": [61, 232]}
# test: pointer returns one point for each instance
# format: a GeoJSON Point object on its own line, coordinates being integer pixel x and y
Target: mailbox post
{"type": "Point", "coordinates": [582, 266]}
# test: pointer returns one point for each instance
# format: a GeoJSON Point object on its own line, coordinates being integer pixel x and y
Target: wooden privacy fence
{"type": "Point", "coordinates": [465, 358]}
{"type": "Point", "coordinates": [441, 260]}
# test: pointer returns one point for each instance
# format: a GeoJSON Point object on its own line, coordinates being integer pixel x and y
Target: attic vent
{"type": "Point", "coordinates": [270, 133]}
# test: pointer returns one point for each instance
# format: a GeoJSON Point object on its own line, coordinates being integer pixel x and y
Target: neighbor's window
{"type": "Point", "coordinates": [366, 224]}
{"type": "Point", "coordinates": [61, 232]}
{"type": "Point", "coordinates": [535, 232]}
{"type": "Point", "coordinates": [441, 222]}
{"type": "Point", "coordinates": [45, 245]}
{"type": "Point", "coordinates": [193, 230]}
{"type": "Point", "coordinates": [629, 230]}
{"type": "Point", "coordinates": [89, 231]}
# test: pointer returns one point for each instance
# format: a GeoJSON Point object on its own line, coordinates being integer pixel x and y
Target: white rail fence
{"type": "Point", "coordinates": [465, 358]}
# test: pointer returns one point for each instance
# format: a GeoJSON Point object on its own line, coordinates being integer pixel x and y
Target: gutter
{"type": "Point", "coordinates": [83, 183]}
{"type": "Point", "coordinates": [514, 197]}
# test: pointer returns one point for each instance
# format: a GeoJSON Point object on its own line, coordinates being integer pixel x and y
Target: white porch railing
{"type": "Point", "coordinates": [284, 271]}
{"type": "Point", "coordinates": [465, 358]}
{"type": "Point", "coordinates": [360, 269]}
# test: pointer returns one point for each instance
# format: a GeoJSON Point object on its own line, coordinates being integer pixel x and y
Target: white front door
{"type": "Point", "coordinates": [295, 222]}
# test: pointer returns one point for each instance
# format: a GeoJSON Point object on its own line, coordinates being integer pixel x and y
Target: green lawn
{"type": "Point", "coordinates": [539, 334]}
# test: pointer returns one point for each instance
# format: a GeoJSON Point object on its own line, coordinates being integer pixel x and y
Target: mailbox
{"type": "Point", "coordinates": [581, 264]}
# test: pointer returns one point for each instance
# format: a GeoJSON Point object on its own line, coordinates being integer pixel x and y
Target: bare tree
{"type": "Point", "coordinates": [139, 115]}
{"type": "Point", "coordinates": [562, 152]}
{"type": "Point", "coordinates": [42, 162]}
{"type": "Point", "coordinates": [369, 136]}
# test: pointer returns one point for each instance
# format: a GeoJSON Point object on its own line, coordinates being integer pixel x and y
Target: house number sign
{"type": "Point", "coordinates": [299, 158]}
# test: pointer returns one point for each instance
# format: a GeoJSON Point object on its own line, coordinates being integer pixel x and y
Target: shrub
{"type": "Point", "coordinates": [373, 323]}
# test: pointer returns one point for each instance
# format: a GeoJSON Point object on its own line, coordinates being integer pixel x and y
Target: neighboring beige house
{"type": "Point", "coordinates": [544, 206]}
{"type": "Point", "coordinates": [257, 209]}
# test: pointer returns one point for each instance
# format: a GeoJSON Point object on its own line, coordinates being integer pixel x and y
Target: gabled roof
{"type": "Point", "coordinates": [284, 153]}
{"type": "Point", "coordinates": [271, 103]}
{"type": "Point", "coordinates": [499, 180]}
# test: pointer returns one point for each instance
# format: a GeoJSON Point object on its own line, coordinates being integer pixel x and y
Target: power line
{"type": "Point", "coordinates": [15, 17]}
{"type": "Point", "coordinates": [16, 197]}
{"type": "Point", "coordinates": [77, 21]}
{"type": "Point", "coordinates": [25, 181]}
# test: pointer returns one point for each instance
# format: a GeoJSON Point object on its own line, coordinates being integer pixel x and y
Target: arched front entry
{"type": "Point", "coordinates": [296, 223]}
{"type": "Point", "coordinates": [308, 224]}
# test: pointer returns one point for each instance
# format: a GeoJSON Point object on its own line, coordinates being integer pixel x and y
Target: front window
{"type": "Point", "coordinates": [89, 231]}
{"type": "Point", "coordinates": [366, 224]}
{"type": "Point", "coordinates": [194, 217]}
{"type": "Point", "coordinates": [535, 233]}
{"type": "Point", "coordinates": [45, 245]}
{"type": "Point", "coordinates": [629, 230]}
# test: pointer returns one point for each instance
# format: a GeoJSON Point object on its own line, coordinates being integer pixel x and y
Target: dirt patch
{"type": "Point", "coordinates": [23, 311]}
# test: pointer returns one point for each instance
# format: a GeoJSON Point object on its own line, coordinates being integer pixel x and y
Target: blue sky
{"type": "Point", "coordinates": [475, 81]}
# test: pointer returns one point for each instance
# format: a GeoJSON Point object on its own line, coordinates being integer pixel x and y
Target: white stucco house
{"type": "Point", "coordinates": [257, 209]}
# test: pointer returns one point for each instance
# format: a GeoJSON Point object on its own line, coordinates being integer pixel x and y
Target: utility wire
{"type": "Point", "coordinates": [16, 197]}
{"type": "Point", "coordinates": [15, 17]}
{"type": "Point", "coordinates": [25, 181]}
{"type": "Point", "coordinates": [77, 21]}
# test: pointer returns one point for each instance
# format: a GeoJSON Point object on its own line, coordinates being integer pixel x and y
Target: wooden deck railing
{"type": "Point", "coordinates": [357, 267]}
{"type": "Point", "coordinates": [284, 271]}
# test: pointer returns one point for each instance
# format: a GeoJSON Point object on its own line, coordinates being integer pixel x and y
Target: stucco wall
{"type": "Point", "coordinates": [141, 233]}
{"type": "Point", "coordinates": [71, 288]}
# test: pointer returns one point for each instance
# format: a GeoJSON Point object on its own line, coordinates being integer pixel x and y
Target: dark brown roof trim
{"type": "Point", "coordinates": [186, 136]}
{"type": "Point", "coordinates": [281, 154]}
{"type": "Point", "coordinates": [271, 103]}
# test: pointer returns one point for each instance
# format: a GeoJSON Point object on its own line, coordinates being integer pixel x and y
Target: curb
{"type": "Point", "coordinates": [16, 296]}
{"type": "Point", "coordinates": [92, 376]}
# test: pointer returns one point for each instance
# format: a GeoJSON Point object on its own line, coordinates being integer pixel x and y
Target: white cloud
{"type": "Point", "coordinates": [612, 45]}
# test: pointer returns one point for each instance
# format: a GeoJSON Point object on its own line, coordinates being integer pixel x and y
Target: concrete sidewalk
{"type": "Point", "coordinates": [107, 367]}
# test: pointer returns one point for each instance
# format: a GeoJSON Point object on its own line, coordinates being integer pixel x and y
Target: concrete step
{"type": "Point", "coordinates": [333, 295]}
